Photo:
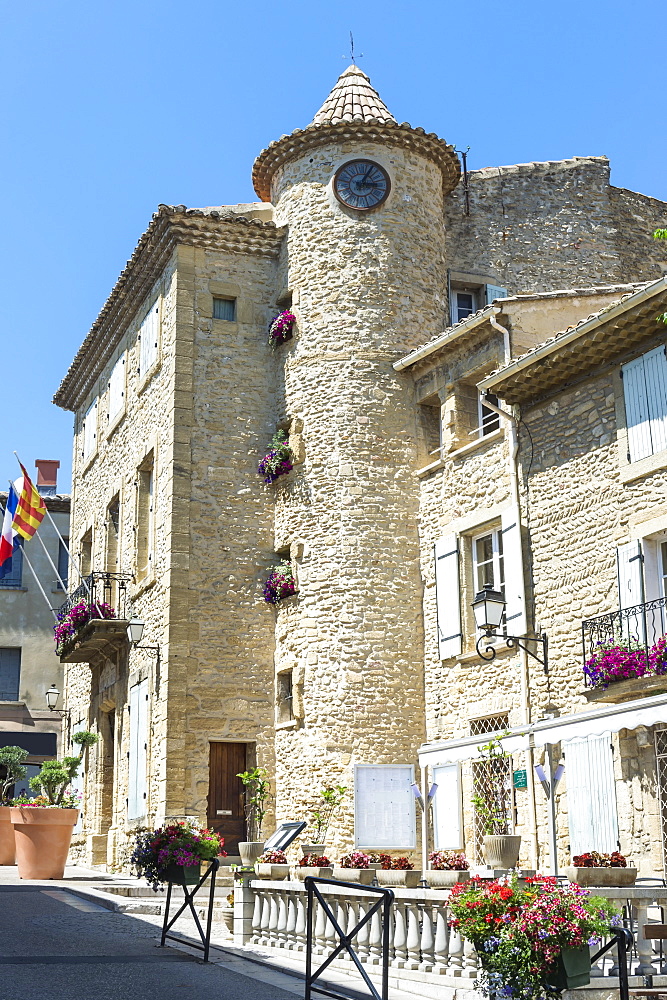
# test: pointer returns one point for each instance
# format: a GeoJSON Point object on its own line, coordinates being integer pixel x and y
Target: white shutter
{"type": "Point", "coordinates": [447, 808]}
{"type": "Point", "coordinates": [591, 794]}
{"type": "Point", "coordinates": [90, 430]}
{"type": "Point", "coordinates": [629, 563]}
{"type": "Point", "coordinates": [132, 811]}
{"type": "Point", "coordinates": [636, 410]}
{"type": "Point", "coordinates": [117, 389]}
{"type": "Point", "coordinates": [448, 596]}
{"type": "Point", "coordinates": [655, 371]}
{"type": "Point", "coordinates": [515, 596]}
{"type": "Point", "coordinates": [136, 796]}
{"type": "Point", "coordinates": [79, 779]}
{"type": "Point", "coordinates": [148, 333]}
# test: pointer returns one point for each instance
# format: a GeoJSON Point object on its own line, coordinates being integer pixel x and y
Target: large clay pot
{"type": "Point", "coordinates": [250, 851]}
{"type": "Point", "coordinates": [42, 838]}
{"type": "Point", "coordinates": [502, 850]}
{"type": "Point", "coordinates": [7, 844]}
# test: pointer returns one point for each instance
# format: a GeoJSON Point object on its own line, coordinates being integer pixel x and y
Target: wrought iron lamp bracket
{"type": "Point", "coordinates": [512, 641]}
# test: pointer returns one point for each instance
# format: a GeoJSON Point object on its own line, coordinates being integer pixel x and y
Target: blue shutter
{"type": "Point", "coordinates": [637, 419]}
{"type": "Point", "coordinates": [10, 673]}
{"type": "Point", "coordinates": [495, 292]}
{"type": "Point", "coordinates": [655, 371]}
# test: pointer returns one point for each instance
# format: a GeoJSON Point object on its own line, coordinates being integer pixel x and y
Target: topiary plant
{"type": "Point", "coordinates": [56, 775]}
{"type": "Point", "coordinates": [13, 760]}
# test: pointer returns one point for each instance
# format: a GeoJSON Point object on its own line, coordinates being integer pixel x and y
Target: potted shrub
{"type": "Point", "coordinates": [594, 869]}
{"type": "Point", "coordinates": [43, 825]}
{"type": "Point", "coordinates": [272, 864]}
{"type": "Point", "coordinates": [279, 460]}
{"type": "Point", "coordinates": [397, 871]}
{"type": "Point", "coordinates": [317, 865]}
{"type": "Point", "coordinates": [354, 867]}
{"type": "Point", "coordinates": [13, 759]}
{"type": "Point", "coordinates": [331, 797]}
{"type": "Point", "coordinates": [281, 328]}
{"type": "Point", "coordinates": [280, 583]}
{"type": "Point", "coordinates": [447, 868]}
{"type": "Point", "coordinates": [174, 853]}
{"type": "Point", "coordinates": [257, 791]}
{"type": "Point", "coordinates": [501, 848]}
{"type": "Point", "coordinates": [532, 936]}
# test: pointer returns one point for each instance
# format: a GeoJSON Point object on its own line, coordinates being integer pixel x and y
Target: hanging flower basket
{"type": "Point", "coordinates": [281, 328]}
{"type": "Point", "coordinates": [280, 584]}
{"type": "Point", "coordinates": [279, 460]}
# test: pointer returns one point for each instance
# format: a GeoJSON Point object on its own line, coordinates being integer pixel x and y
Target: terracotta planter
{"type": "Point", "coordinates": [7, 843]}
{"type": "Point", "coordinates": [181, 874]}
{"type": "Point", "coordinates": [399, 877]}
{"type": "Point", "coordinates": [250, 850]}
{"type": "Point", "coordinates": [502, 850]}
{"type": "Point", "coordinates": [445, 879]}
{"type": "Point", "coordinates": [300, 871]}
{"type": "Point", "coordinates": [317, 849]}
{"type": "Point", "coordinates": [598, 877]}
{"type": "Point", "coordinates": [364, 876]}
{"type": "Point", "coordinates": [42, 840]}
{"type": "Point", "coordinates": [267, 870]}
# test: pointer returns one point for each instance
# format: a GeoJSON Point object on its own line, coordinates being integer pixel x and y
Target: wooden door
{"type": "Point", "coordinates": [226, 814]}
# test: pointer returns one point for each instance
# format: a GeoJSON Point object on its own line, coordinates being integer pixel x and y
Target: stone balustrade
{"type": "Point", "coordinates": [272, 914]}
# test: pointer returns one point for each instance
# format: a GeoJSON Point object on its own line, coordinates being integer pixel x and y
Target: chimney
{"type": "Point", "coordinates": [47, 476]}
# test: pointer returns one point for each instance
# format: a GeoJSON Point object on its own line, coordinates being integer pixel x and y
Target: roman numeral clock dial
{"type": "Point", "coordinates": [361, 185]}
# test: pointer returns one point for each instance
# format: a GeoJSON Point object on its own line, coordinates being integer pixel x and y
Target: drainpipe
{"type": "Point", "coordinates": [513, 443]}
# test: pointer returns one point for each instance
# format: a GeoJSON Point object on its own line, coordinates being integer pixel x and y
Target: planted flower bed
{"type": "Point", "coordinates": [625, 659]}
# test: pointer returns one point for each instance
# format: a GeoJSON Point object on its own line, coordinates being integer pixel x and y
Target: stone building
{"type": "Point", "coordinates": [27, 664]}
{"type": "Point", "coordinates": [365, 232]}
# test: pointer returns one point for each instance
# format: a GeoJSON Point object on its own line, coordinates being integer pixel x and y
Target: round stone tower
{"type": "Point", "coordinates": [362, 198]}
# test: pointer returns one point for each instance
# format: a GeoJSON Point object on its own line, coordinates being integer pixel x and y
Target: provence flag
{"type": "Point", "coordinates": [9, 540]}
{"type": "Point", "coordinates": [30, 509]}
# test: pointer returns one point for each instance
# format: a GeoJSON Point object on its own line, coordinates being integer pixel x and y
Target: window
{"type": "Point", "coordinates": [10, 673]}
{"type": "Point", "coordinates": [468, 298]}
{"type": "Point", "coordinates": [148, 339]}
{"type": "Point", "coordinates": [138, 753]}
{"type": "Point", "coordinates": [488, 562]}
{"type": "Point", "coordinates": [13, 579]}
{"type": "Point", "coordinates": [284, 697]}
{"type": "Point", "coordinates": [464, 305]}
{"type": "Point", "coordinates": [492, 781]}
{"type": "Point", "coordinates": [63, 563]}
{"type": "Point", "coordinates": [113, 534]}
{"type": "Point", "coordinates": [86, 550]}
{"type": "Point", "coordinates": [489, 420]}
{"type": "Point", "coordinates": [116, 390]}
{"type": "Point", "coordinates": [89, 431]}
{"type": "Point", "coordinates": [224, 309]}
{"type": "Point", "coordinates": [145, 504]}
{"type": "Point", "coordinates": [645, 395]}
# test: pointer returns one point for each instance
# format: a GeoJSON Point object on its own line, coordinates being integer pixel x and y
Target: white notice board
{"type": "Point", "coordinates": [447, 833]}
{"type": "Point", "coordinates": [384, 806]}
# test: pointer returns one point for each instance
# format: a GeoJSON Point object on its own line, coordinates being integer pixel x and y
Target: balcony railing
{"type": "Point", "coordinates": [100, 588]}
{"type": "Point", "coordinates": [94, 615]}
{"type": "Point", "coordinates": [635, 629]}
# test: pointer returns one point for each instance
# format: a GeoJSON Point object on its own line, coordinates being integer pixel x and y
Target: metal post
{"type": "Point", "coordinates": [166, 915]}
{"type": "Point", "coordinates": [309, 938]}
{"type": "Point", "coordinates": [552, 811]}
{"type": "Point", "coordinates": [424, 822]}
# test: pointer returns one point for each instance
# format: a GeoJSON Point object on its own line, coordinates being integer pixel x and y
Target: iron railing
{"type": "Point", "coordinates": [636, 628]}
{"type": "Point", "coordinates": [100, 588]}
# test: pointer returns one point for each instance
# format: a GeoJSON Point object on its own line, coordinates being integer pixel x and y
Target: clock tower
{"type": "Point", "coordinates": [362, 200]}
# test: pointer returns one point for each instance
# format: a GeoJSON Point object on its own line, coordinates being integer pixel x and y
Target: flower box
{"type": "Point", "coordinates": [607, 877]}
{"type": "Point", "coordinates": [301, 871]}
{"type": "Point", "coordinates": [267, 870]}
{"type": "Point", "coordinates": [573, 968]}
{"type": "Point", "coordinates": [445, 878]}
{"type": "Point", "coordinates": [363, 876]}
{"type": "Point", "coordinates": [406, 878]}
{"type": "Point", "coordinates": [181, 874]}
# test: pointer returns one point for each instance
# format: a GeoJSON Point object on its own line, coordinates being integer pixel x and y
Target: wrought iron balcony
{"type": "Point", "coordinates": [93, 618]}
{"type": "Point", "coordinates": [626, 645]}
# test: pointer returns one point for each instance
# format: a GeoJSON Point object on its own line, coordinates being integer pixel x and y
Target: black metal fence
{"type": "Point", "coordinates": [636, 629]}
{"type": "Point", "coordinates": [100, 588]}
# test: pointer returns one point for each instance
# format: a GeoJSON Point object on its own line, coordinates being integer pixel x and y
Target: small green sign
{"type": "Point", "coordinates": [520, 779]}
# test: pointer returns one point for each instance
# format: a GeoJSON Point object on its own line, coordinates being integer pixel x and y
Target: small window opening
{"type": "Point", "coordinates": [284, 697]}
{"type": "Point", "coordinates": [489, 420]}
{"type": "Point", "coordinates": [224, 309]}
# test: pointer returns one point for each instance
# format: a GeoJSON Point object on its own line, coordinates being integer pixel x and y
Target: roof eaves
{"type": "Point", "coordinates": [451, 334]}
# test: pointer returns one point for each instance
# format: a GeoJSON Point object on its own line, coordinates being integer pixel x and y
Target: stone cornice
{"type": "Point", "coordinates": [169, 227]}
{"type": "Point", "coordinates": [288, 147]}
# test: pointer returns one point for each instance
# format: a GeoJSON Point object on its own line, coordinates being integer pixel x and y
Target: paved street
{"type": "Point", "coordinates": [55, 945]}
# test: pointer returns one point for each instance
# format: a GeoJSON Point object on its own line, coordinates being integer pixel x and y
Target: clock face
{"type": "Point", "coordinates": [361, 184]}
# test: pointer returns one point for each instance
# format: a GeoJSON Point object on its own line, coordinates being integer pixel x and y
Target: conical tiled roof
{"type": "Point", "coordinates": [353, 100]}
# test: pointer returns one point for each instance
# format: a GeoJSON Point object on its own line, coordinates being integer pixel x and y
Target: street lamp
{"type": "Point", "coordinates": [52, 695]}
{"type": "Point", "coordinates": [488, 608]}
{"type": "Point", "coordinates": [135, 631]}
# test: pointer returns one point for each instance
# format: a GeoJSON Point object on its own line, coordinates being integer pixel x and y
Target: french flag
{"type": "Point", "coordinates": [10, 540]}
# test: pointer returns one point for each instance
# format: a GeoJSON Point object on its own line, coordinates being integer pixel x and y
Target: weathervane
{"type": "Point", "coordinates": [361, 55]}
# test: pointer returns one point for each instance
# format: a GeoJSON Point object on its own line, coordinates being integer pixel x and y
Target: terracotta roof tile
{"type": "Point", "coordinates": [353, 99]}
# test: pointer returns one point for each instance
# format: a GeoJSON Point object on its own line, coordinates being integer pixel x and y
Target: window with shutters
{"type": "Point", "coordinates": [13, 580]}
{"type": "Point", "coordinates": [89, 432]}
{"type": "Point", "coordinates": [465, 299]}
{"type": "Point", "coordinates": [138, 752]}
{"type": "Point", "coordinates": [645, 398]}
{"type": "Point", "coordinates": [149, 333]}
{"type": "Point", "coordinates": [145, 517]}
{"type": "Point", "coordinates": [116, 402]}
{"type": "Point", "coordinates": [63, 564]}
{"type": "Point", "coordinates": [10, 673]}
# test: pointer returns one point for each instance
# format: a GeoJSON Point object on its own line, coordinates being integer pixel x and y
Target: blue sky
{"type": "Point", "coordinates": [112, 108]}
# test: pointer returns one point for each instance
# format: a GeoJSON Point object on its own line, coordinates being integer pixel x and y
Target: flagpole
{"type": "Point", "coordinates": [53, 566]}
{"type": "Point", "coordinates": [37, 581]}
{"type": "Point", "coordinates": [72, 560]}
